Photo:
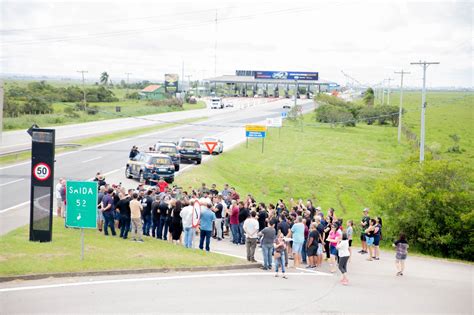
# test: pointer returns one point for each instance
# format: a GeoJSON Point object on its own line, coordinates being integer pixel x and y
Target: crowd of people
{"type": "Point", "coordinates": [296, 231]}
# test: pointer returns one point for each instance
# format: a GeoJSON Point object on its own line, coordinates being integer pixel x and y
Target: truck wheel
{"type": "Point", "coordinates": [176, 167]}
{"type": "Point", "coordinates": [198, 162]}
{"type": "Point", "coordinates": [128, 173]}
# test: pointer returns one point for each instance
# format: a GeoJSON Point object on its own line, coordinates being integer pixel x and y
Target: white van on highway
{"type": "Point", "coordinates": [216, 103]}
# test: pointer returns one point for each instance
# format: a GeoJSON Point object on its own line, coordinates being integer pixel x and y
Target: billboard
{"type": "Point", "coordinates": [287, 75]}
{"type": "Point", "coordinates": [171, 82]}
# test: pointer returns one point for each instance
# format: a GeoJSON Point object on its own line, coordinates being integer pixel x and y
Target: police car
{"type": "Point", "coordinates": [144, 164]}
{"type": "Point", "coordinates": [170, 149]}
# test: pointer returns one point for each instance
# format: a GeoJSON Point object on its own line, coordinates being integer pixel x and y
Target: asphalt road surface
{"type": "Point", "coordinates": [110, 158]}
{"type": "Point", "coordinates": [429, 286]}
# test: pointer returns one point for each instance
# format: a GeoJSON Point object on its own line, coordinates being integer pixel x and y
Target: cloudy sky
{"type": "Point", "coordinates": [368, 40]}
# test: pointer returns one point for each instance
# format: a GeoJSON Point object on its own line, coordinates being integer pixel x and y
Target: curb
{"type": "Point", "coordinates": [125, 272]}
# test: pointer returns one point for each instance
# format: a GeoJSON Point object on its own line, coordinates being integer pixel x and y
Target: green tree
{"type": "Point", "coordinates": [104, 78]}
{"type": "Point", "coordinates": [369, 97]}
{"type": "Point", "coordinates": [433, 204]}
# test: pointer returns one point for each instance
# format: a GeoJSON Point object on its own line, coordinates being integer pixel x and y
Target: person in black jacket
{"type": "Point", "coordinates": [243, 215]}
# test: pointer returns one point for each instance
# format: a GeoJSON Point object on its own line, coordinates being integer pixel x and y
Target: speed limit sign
{"type": "Point", "coordinates": [41, 171]}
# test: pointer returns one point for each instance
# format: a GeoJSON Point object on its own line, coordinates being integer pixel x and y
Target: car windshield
{"type": "Point", "coordinates": [190, 144]}
{"type": "Point", "coordinates": [160, 161]}
{"type": "Point", "coordinates": [168, 149]}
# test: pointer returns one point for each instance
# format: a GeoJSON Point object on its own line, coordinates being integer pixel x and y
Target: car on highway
{"type": "Point", "coordinates": [170, 149]}
{"type": "Point", "coordinates": [288, 105]}
{"type": "Point", "coordinates": [216, 103]}
{"type": "Point", "coordinates": [190, 150]}
{"type": "Point", "coordinates": [217, 143]}
{"type": "Point", "coordinates": [143, 164]}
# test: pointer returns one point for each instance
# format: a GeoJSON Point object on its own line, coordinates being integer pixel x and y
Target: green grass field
{"type": "Point", "coordinates": [335, 167]}
{"type": "Point", "coordinates": [447, 113]}
{"type": "Point", "coordinates": [106, 109]}
{"type": "Point", "coordinates": [20, 256]}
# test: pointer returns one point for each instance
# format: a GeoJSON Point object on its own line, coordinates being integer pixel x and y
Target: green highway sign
{"type": "Point", "coordinates": [81, 204]}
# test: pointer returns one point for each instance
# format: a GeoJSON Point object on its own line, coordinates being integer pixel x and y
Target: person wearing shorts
{"type": "Point", "coordinates": [312, 246]}
{"type": "Point", "coordinates": [369, 238]}
{"type": "Point", "coordinates": [364, 223]}
{"type": "Point", "coordinates": [297, 233]}
{"type": "Point", "coordinates": [402, 251]}
{"type": "Point", "coordinates": [333, 238]}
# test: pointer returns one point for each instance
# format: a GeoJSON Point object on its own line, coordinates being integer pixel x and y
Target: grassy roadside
{"type": "Point", "coordinates": [335, 167]}
{"type": "Point", "coordinates": [18, 157]}
{"type": "Point", "coordinates": [129, 108]}
{"type": "Point", "coordinates": [20, 256]}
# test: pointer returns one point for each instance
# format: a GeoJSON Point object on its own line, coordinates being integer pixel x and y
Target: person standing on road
{"type": "Point", "coordinates": [312, 246]}
{"type": "Point", "coordinates": [402, 251]}
{"type": "Point", "coordinates": [369, 238]}
{"type": "Point", "coordinates": [350, 232]}
{"type": "Point", "coordinates": [234, 222]}
{"type": "Point", "coordinates": [262, 216]}
{"type": "Point", "coordinates": [207, 219]}
{"type": "Point", "coordinates": [108, 210]}
{"type": "Point", "coordinates": [135, 214]}
{"type": "Point", "coordinates": [344, 254]}
{"type": "Point", "coordinates": [59, 199]}
{"type": "Point", "coordinates": [280, 247]}
{"type": "Point", "coordinates": [364, 224]}
{"type": "Point", "coordinates": [187, 219]}
{"type": "Point", "coordinates": [243, 215]}
{"type": "Point", "coordinates": [268, 237]}
{"type": "Point", "coordinates": [333, 239]}
{"type": "Point", "coordinates": [377, 237]}
{"type": "Point", "coordinates": [297, 233]}
{"type": "Point", "coordinates": [250, 227]}
{"type": "Point", "coordinates": [226, 195]}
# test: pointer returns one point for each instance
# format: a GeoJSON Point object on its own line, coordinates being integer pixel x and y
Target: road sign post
{"type": "Point", "coordinates": [81, 207]}
{"type": "Point", "coordinates": [42, 180]}
{"type": "Point", "coordinates": [256, 131]}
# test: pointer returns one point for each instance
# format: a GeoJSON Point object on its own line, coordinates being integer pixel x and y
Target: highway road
{"type": "Point", "coordinates": [429, 286]}
{"type": "Point", "coordinates": [110, 158]}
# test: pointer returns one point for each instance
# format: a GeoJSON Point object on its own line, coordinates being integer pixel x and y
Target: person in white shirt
{"type": "Point", "coordinates": [59, 200]}
{"type": "Point", "coordinates": [344, 254]}
{"type": "Point", "coordinates": [187, 220]}
{"type": "Point", "coordinates": [251, 233]}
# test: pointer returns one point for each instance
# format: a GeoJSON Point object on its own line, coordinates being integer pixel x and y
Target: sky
{"type": "Point", "coordinates": [367, 40]}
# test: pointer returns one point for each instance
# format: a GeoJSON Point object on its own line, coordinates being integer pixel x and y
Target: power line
{"type": "Point", "coordinates": [401, 104]}
{"type": "Point", "coordinates": [167, 28]}
{"type": "Point", "coordinates": [425, 65]}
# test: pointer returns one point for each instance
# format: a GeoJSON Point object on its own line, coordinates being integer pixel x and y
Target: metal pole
{"type": "Point", "coordinates": [247, 146]}
{"type": "Point", "coordinates": [400, 113]}
{"type": "Point", "coordinates": [82, 244]}
{"type": "Point", "coordinates": [263, 143]}
{"type": "Point", "coordinates": [83, 86]}
{"type": "Point", "coordinates": [423, 107]}
{"type": "Point", "coordinates": [128, 80]}
{"type": "Point", "coordinates": [383, 93]}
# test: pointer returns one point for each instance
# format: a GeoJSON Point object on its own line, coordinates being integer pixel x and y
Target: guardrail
{"type": "Point", "coordinates": [60, 145]}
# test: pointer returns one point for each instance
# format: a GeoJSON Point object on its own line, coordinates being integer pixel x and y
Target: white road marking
{"type": "Point", "coordinates": [90, 160]}
{"type": "Point", "coordinates": [13, 181]}
{"type": "Point", "coordinates": [16, 206]}
{"type": "Point", "coordinates": [198, 276]}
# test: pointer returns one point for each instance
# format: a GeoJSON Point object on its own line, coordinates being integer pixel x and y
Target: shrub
{"type": "Point", "coordinates": [433, 204]}
{"type": "Point", "coordinates": [335, 115]}
{"type": "Point", "coordinates": [70, 112]}
{"type": "Point", "coordinates": [166, 102]}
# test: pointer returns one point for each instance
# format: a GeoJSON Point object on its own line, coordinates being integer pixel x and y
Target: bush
{"type": "Point", "coordinates": [70, 112]}
{"type": "Point", "coordinates": [335, 115]}
{"type": "Point", "coordinates": [133, 96]}
{"type": "Point", "coordinates": [37, 105]}
{"type": "Point", "coordinates": [166, 102]}
{"type": "Point", "coordinates": [92, 110]}
{"type": "Point", "coordinates": [433, 204]}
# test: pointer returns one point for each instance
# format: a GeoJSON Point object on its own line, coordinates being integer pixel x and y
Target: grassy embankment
{"type": "Point", "coordinates": [106, 110]}
{"type": "Point", "coordinates": [20, 256]}
{"type": "Point", "coordinates": [337, 167]}
{"type": "Point", "coordinates": [17, 157]}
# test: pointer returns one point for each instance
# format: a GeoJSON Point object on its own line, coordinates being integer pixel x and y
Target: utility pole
{"type": "Point", "coordinates": [401, 104]}
{"type": "Point", "coordinates": [1, 109]}
{"type": "Point", "coordinates": [383, 92]}
{"type": "Point", "coordinates": [128, 81]}
{"type": "Point", "coordinates": [425, 65]}
{"type": "Point", "coordinates": [83, 86]}
{"type": "Point", "coordinates": [388, 91]}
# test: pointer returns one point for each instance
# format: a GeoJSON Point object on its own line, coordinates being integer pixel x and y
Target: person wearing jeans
{"type": "Point", "coordinates": [107, 211]}
{"type": "Point", "coordinates": [207, 219]}
{"type": "Point", "coordinates": [234, 222]}
{"type": "Point", "coordinates": [280, 247]}
{"type": "Point", "coordinates": [186, 218]}
{"type": "Point", "coordinates": [268, 237]}
{"type": "Point", "coordinates": [251, 230]}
